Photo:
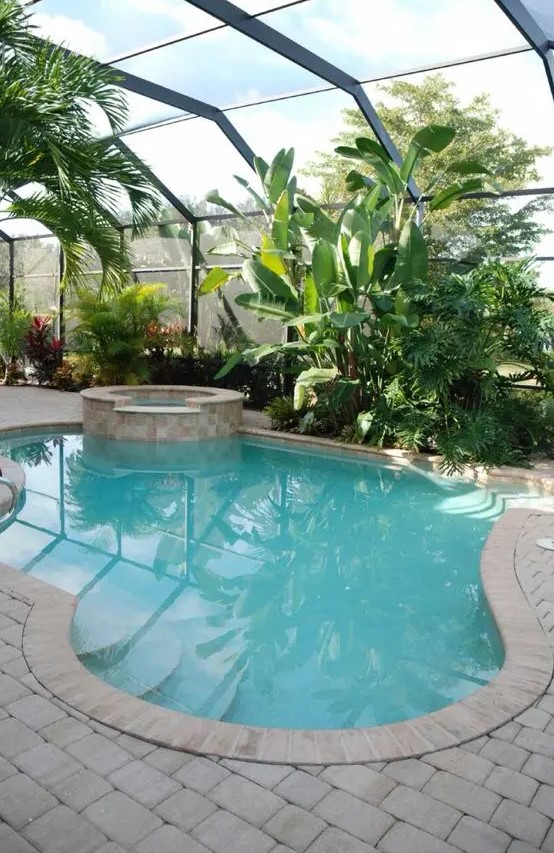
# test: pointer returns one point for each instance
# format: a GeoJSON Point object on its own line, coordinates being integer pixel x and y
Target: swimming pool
{"type": "Point", "coordinates": [260, 584]}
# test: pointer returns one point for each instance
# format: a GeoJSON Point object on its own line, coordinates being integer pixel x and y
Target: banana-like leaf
{"type": "Point", "coordinates": [278, 174]}
{"type": "Point", "coordinates": [349, 153]}
{"type": "Point", "coordinates": [214, 198]}
{"type": "Point", "coordinates": [255, 354]}
{"type": "Point", "coordinates": [311, 298]}
{"type": "Point", "coordinates": [270, 258]}
{"type": "Point", "coordinates": [354, 219]}
{"type": "Point", "coordinates": [280, 227]}
{"type": "Point", "coordinates": [266, 282]}
{"type": "Point", "coordinates": [261, 202]}
{"type": "Point", "coordinates": [261, 168]}
{"type": "Point", "coordinates": [333, 289]}
{"type": "Point", "coordinates": [448, 196]}
{"type": "Point", "coordinates": [371, 147]}
{"type": "Point", "coordinates": [305, 320]}
{"type": "Point", "coordinates": [215, 279]}
{"type": "Point", "coordinates": [412, 262]}
{"type": "Point", "coordinates": [362, 253]}
{"type": "Point", "coordinates": [324, 264]}
{"type": "Point", "coordinates": [348, 320]}
{"type": "Point", "coordinates": [231, 362]}
{"type": "Point", "coordinates": [383, 264]}
{"type": "Point", "coordinates": [467, 167]}
{"type": "Point", "coordinates": [355, 182]}
{"type": "Point", "coordinates": [317, 375]}
{"type": "Point", "coordinates": [264, 306]}
{"type": "Point", "coordinates": [322, 226]}
{"type": "Point", "coordinates": [434, 137]}
{"type": "Point", "coordinates": [376, 156]}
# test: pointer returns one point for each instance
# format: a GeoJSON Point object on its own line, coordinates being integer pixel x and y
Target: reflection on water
{"type": "Point", "coordinates": [251, 583]}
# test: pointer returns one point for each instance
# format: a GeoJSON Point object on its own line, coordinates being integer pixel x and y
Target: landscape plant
{"type": "Point", "coordinates": [15, 321]}
{"type": "Point", "coordinates": [43, 349]}
{"type": "Point", "coordinates": [113, 333]}
{"type": "Point", "coordinates": [382, 353]}
{"type": "Point", "coordinates": [54, 165]}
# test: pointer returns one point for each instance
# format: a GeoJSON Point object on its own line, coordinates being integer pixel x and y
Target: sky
{"type": "Point", "coordinates": [224, 68]}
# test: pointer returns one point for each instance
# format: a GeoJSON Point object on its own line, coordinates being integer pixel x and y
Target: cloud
{"type": "Point", "coordinates": [71, 32]}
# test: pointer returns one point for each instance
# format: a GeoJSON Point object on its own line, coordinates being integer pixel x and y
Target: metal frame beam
{"type": "Point", "coordinates": [532, 32]}
{"type": "Point", "coordinates": [172, 98]}
{"type": "Point", "coordinates": [265, 35]}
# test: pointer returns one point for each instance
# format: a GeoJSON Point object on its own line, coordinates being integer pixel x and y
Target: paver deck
{"type": "Point", "coordinates": [71, 785]}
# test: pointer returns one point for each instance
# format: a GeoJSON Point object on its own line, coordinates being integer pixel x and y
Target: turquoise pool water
{"type": "Point", "coordinates": [253, 583]}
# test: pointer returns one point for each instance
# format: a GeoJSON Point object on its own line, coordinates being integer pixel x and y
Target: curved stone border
{"type": "Point", "coordinates": [540, 475]}
{"type": "Point", "coordinates": [112, 412]}
{"type": "Point", "coordinates": [15, 473]}
{"type": "Point", "coordinates": [525, 675]}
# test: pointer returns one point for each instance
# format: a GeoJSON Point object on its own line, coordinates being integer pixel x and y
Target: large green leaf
{"type": "Point", "coordinates": [271, 257]}
{"type": "Point", "coordinates": [349, 153]}
{"type": "Point", "coordinates": [448, 196]}
{"type": "Point", "coordinates": [376, 156]}
{"type": "Point", "coordinates": [370, 147]}
{"type": "Point", "coordinates": [324, 264]}
{"type": "Point", "coordinates": [215, 279]}
{"type": "Point", "coordinates": [260, 202]}
{"type": "Point", "coordinates": [280, 227]}
{"type": "Point", "coordinates": [278, 174]}
{"type": "Point", "coordinates": [317, 375]}
{"type": "Point", "coordinates": [467, 167]}
{"type": "Point", "coordinates": [383, 264]}
{"type": "Point", "coordinates": [305, 320]}
{"type": "Point", "coordinates": [231, 362]}
{"type": "Point", "coordinates": [268, 283]}
{"type": "Point", "coordinates": [261, 168]}
{"type": "Point", "coordinates": [321, 226]}
{"type": "Point", "coordinates": [311, 298]}
{"type": "Point", "coordinates": [214, 198]}
{"type": "Point", "coordinates": [355, 182]}
{"type": "Point", "coordinates": [412, 262]}
{"type": "Point", "coordinates": [361, 253]}
{"type": "Point", "coordinates": [264, 306]}
{"type": "Point", "coordinates": [349, 319]}
{"type": "Point", "coordinates": [434, 137]}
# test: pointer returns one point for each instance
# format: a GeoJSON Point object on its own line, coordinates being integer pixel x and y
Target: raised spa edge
{"type": "Point", "coordinates": [117, 412]}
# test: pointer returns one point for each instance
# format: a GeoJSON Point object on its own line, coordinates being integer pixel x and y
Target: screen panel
{"type": "Point", "coordinates": [396, 35]}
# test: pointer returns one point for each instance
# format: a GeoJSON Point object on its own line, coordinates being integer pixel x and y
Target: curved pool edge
{"type": "Point", "coordinates": [524, 677]}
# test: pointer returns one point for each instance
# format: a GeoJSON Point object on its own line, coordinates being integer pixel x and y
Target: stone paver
{"type": "Point", "coordinates": [121, 818]}
{"type": "Point", "coordinates": [224, 832]}
{"type": "Point", "coordinates": [73, 785]}
{"type": "Point", "coordinates": [144, 783]}
{"type": "Point", "coordinates": [295, 827]}
{"type": "Point", "coordinates": [62, 831]}
{"type": "Point", "coordinates": [354, 816]}
{"type": "Point", "coordinates": [474, 836]}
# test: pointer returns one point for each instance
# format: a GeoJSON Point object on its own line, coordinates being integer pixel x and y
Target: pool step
{"type": "Point", "coordinates": [140, 667]}
{"type": "Point", "coordinates": [204, 685]}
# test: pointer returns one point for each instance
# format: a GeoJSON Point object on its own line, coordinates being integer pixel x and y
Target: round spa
{"type": "Point", "coordinates": [161, 412]}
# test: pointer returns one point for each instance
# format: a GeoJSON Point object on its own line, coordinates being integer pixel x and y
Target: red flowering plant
{"type": "Point", "coordinates": [43, 349]}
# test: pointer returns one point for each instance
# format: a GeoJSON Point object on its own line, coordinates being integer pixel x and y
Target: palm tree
{"type": "Point", "coordinates": [51, 103]}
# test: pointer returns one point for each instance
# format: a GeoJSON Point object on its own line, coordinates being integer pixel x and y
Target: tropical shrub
{"type": "Point", "coordinates": [113, 332]}
{"type": "Point", "coordinates": [50, 103]}
{"type": "Point", "coordinates": [394, 355]}
{"type": "Point", "coordinates": [14, 324]}
{"type": "Point", "coordinates": [43, 349]}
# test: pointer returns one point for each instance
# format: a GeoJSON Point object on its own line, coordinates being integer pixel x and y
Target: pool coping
{"type": "Point", "coordinates": [523, 678]}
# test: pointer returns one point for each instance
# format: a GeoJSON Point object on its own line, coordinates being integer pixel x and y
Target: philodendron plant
{"type": "Point", "coordinates": [340, 285]}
